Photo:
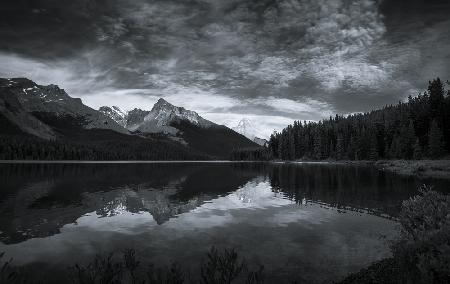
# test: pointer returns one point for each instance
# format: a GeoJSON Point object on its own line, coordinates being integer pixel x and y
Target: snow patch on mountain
{"type": "Point", "coordinates": [116, 114]}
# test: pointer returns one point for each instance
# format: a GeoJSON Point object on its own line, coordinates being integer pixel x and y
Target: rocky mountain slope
{"type": "Point", "coordinates": [158, 120]}
{"type": "Point", "coordinates": [43, 100]}
{"type": "Point", "coordinates": [16, 120]}
{"type": "Point", "coordinates": [181, 125]}
{"type": "Point", "coordinates": [76, 131]}
{"type": "Point", "coordinates": [44, 122]}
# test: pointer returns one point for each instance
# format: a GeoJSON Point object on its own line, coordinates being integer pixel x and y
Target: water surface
{"type": "Point", "coordinates": [310, 222]}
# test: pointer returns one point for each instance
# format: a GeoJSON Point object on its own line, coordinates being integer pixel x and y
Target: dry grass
{"type": "Point", "coordinates": [422, 168]}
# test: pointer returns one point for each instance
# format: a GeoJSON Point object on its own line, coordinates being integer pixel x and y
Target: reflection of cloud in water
{"type": "Point", "coordinates": [253, 195]}
{"type": "Point", "coordinates": [285, 218]}
{"type": "Point", "coordinates": [265, 226]}
{"type": "Point", "coordinates": [289, 218]}
{"type": "Point", "coordinates": [118, 221]}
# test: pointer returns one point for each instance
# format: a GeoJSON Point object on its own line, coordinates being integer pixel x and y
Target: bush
{"type": "Point", "coordinates": [423, 251]}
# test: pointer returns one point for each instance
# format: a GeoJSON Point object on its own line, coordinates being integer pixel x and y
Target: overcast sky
{"type": "Point", "coordinates": [271, 61]}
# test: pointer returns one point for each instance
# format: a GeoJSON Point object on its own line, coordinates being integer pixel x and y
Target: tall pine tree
{"type": "Point", "coordinates": [435, 141]}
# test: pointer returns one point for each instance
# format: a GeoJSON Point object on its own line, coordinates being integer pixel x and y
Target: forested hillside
{"type": "Point", "coordinates": [87, 144]}
{"type": "Point", "coordinates": [45, 123]}
{"type": "Point", "coordinates": [416, 129]}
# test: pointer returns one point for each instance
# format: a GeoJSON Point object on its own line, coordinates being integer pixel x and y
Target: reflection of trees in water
{"type": "Point", "coordinates": [343, 186]}
{"type": "Point", "coordinates": [349, 187]}
{"type": "Point", "coordinates": [38, 199]}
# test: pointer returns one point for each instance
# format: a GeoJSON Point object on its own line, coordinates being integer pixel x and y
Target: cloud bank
{"type": "Point", "coordinates": [271, 60]}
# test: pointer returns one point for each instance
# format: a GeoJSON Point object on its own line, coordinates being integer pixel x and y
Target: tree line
{"type": "Point", "coordinates": [15, 147]}
{"type": "Point", "coordinates": [416, 129]}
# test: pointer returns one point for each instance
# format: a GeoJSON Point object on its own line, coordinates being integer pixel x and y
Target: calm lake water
{"type": "Point", "coordinates": [310, 222]}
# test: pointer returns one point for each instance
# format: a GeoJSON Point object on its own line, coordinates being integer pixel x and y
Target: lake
{"type": "Point", "coordinates": [313, 223]}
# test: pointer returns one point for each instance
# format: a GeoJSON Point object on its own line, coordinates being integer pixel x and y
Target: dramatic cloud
{"type": "Point", "coordinates": [269, 60]}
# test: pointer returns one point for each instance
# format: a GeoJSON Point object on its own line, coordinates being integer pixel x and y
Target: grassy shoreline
{"type": "Point", "coordinates": [420, 168]}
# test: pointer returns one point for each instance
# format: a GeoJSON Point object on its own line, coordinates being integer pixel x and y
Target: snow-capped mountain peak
{"type": "Point", "coordinates": [163, 104]}
{"type": "Point", "coordinates": [159, 119]}
{"type": "Point", "coordinates": [247, 128]}
{"type": "Point", "coordinates": [119, 111]}
{"type": "Point", "coordinates": [165, 113]}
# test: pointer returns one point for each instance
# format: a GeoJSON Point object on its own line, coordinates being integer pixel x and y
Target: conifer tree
{"type": "Point", "coordinates": [373, 154]}
{"type": "Point", "coordinates": [435, 143]}
{"type": "Point", "coordinates": [417, 155]}
{"type": "Point", "coordinates": [399, 131]}
{"type": "Point", "coordinates": [340, 151]}
{"type": "Point", "coordinates": [436, 93]}
{"type": "Point", "coordinates": [407, 140]}
{"type": "Point", "coordinates": [317, 151]}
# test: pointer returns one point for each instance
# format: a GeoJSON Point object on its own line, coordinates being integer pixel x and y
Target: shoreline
{"type": "Point", "coordinates": [419, 168]}
{"type": "Point", "coordinates": [117, 161]}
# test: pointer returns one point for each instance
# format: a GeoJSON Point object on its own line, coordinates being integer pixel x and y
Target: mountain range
{"type": "Point", "coordinates": [162, 118]}
{"type": "Point", "coordinates": [48, 113]}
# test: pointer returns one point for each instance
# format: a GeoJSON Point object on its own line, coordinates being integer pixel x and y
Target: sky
{"type": "Point", "coordinates": [271, 61]}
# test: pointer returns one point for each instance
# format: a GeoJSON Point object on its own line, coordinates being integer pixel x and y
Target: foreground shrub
{"type": "Point", "coordinates": [423, 251]}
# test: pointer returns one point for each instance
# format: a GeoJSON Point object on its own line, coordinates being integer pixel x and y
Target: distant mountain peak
{"type": "Point", "coordinates": [164, 114]}
{"type": "Point", "coordinates": [165, 106]}
{"type": "Point", "coordinates": [246, 127]}
{"type": "Point", "coordinates": [162, 103]}
{"type": "Point", "coordinates": [245, 123]}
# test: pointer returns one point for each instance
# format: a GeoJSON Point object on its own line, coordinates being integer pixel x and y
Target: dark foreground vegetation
{"type": "Point", "coordinates": [218, 266]}
{"type": "Point", "coordinates": [416, 129]}
{"type": "Point", "coordinates": [421, 255]}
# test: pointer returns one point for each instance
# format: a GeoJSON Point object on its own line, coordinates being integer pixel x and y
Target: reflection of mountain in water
{"type": "Point", "coordinates": [38, 200]}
